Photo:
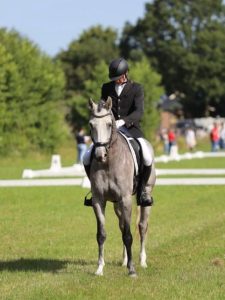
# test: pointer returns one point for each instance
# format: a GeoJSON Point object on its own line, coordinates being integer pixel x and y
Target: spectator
{"type": "Point", "coordinates": [190, 139]}
{"type": "Point", "coordinates": [171, 138]}
{"type": "Point", "coordinates": [81, 140]}
{"type": "Point", "coordinates": [214, 137]}
{"type": "Point", "coordinates": [222, 136]}
{"type": "Point", "coordinates": [165, 140]}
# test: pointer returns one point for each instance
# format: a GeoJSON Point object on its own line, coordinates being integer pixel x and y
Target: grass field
{"type": "Point", "coordinates": [48, 248]}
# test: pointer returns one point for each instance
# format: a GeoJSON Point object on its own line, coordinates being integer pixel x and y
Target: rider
{"type": "Point", "coordinates": [128, 108]}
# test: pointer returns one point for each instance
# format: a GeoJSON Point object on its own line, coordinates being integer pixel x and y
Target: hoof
{"type": "Point", "coordinates": [99, 273]}
{"type": "Point", "coordinates": [132, 274]}
{"type": "Point", "coordinates": [144, 265]}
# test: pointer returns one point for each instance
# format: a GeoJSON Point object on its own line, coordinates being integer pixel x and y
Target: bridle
{"type": "Point", "coordinates": [100, 144]}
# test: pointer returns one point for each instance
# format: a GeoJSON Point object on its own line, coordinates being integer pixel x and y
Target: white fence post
{"type": "Point", "coordinates": [56, 162]}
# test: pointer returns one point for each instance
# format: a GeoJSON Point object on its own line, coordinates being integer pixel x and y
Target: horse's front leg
{"type": "Point", "coordinates": [117, 209]}
{"type": "Point", "coordinates": [99, 209]}
{"type": "Point", "coordinates": [126, 234]}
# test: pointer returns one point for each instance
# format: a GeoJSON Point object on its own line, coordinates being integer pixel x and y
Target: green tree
{"type": "Point", "coordinates": [79, 113]}
{"type": "Point", "coordinates": [31, 86]}
{"type": "Point", "coordinates": [93, 46]}
{"type": "Point", "coordinates": [183, 41]}
{"type": "Point", "coordinates": [80, 62]}
{"type": "Point", "coordinates": [100, 75]}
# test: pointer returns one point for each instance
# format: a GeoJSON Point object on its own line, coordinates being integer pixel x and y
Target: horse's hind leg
{"type": "Point", "coordinates": [127, 236]}
{"type": "Point", "coordinates": [143, 227]}
{"type": "Point", "coordinates": [101, 235]}
{"type": "Point", "coordinates": [143, 218]}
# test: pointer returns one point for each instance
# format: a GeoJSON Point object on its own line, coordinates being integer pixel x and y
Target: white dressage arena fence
{"type": "Point", "coordinates": [84, 182]}
{"type": "Point", "coordinates": [55, 170]}
{"type": "Point", "coordinates": [175, 156]}
{"type": "Point", "coordinates": [77, 170]}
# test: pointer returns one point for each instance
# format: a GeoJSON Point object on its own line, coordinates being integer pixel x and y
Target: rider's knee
{"type": "Point", "coordinates": [147, 153]}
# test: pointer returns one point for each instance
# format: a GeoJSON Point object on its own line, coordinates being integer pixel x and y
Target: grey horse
{"type": "Point", "coordinates": [111, 177]}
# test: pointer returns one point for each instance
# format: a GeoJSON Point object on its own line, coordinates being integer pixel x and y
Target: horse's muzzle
{"type": "Point", "coordinates": [101, 154]}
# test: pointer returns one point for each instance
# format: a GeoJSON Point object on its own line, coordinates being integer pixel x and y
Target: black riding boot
{"type": "Point", "coordinates": [143, 198]}
{"type": "Point", "coordinates": [87, 202]}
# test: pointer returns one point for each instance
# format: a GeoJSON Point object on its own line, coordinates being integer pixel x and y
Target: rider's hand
{"type": "Point", "coordinates": [119, 123]}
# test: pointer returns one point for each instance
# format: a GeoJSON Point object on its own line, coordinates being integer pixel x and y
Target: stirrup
{"type": "Point", "coordinates": [88, 201]}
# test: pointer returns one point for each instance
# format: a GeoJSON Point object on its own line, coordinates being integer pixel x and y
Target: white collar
{"type": "Point", "coordinates": [119, 88]}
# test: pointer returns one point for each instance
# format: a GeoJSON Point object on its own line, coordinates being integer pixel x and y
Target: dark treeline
{"type": "Point", "coordinates": [176, 47]}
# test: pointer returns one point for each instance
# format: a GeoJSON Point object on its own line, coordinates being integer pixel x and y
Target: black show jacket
{"type": "Point", "coordinates": [129, 106]}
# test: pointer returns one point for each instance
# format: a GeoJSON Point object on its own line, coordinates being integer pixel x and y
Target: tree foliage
{"type": "Point", "coordinates": [184, 42]}
{"type": "Point", "coordinates": [84, 64]}
{"type": "Point", "coordinates": [93, 46]}
{"type": "Point", "coordinates": [78, 112]}
{"type": "Point", "coordinates": [30, 86]}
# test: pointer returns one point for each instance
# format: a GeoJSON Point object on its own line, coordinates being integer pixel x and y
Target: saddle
{"type": "Point", "coordinates": [137, 155]}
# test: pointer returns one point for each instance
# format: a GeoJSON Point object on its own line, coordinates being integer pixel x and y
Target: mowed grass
{"type": "Point", "coordinates": [48, 248]}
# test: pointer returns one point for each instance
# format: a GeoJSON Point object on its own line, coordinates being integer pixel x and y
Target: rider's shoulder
{"type": "Point", "coordinates": [108, 84]}
{"type": "Point", "coordinates": [136, 85]}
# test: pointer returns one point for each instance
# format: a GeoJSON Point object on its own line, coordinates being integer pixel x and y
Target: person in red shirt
{"type": "Point", "coordinates": [171, 138]}
{"type": "Point", "coordinates": [214, 137]}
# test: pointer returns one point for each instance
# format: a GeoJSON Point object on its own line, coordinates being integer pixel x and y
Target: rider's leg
{"type": "Point", "coordinates": [143, 196]}
{"type": "Point", "coordinates": [87, 160]}
{"type": "Point", "coordinates": [87, 165]}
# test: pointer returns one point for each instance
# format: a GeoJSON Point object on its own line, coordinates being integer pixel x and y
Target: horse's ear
{"type": "Point", "coordinates": [91, 104]}
{"type": "Point", "coordinates": [108, 103]}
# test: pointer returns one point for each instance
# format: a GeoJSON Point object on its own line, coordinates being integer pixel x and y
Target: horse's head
{"type": "Point", "coordinates": [101, 125]}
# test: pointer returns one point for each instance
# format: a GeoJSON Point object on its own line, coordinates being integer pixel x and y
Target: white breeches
{"type": "Point", "coordinates": [147, 151]}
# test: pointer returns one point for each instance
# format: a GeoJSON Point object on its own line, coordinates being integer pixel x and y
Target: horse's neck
{"type": "Point", "coordinates": [117, 145]}
{"type": "Point", "coordinates": [114, 134]}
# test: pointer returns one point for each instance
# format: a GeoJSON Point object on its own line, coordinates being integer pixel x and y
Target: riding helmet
{"type": "Point", "coordinates": [117, 68]}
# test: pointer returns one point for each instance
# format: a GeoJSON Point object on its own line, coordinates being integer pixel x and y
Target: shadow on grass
{"type": "Point", "coordinates": [40, 265]}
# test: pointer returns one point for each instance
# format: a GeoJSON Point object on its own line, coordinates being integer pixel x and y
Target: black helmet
{"type": "Point", "coordinates": [117, 68]}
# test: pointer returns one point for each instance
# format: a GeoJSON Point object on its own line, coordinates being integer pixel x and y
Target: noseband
{"type": "Point", "coordinates": [100, 144]}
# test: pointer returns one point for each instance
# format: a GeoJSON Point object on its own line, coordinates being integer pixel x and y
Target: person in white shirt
{"type": "Point", "coordinates": [190, 139]}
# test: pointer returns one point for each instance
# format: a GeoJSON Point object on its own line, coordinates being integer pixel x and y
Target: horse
{"type": "Point", "coordinates": [111, 176]}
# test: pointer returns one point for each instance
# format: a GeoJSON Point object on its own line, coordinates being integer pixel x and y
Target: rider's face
{"type": "Point", "coordinates": [121, 80]}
